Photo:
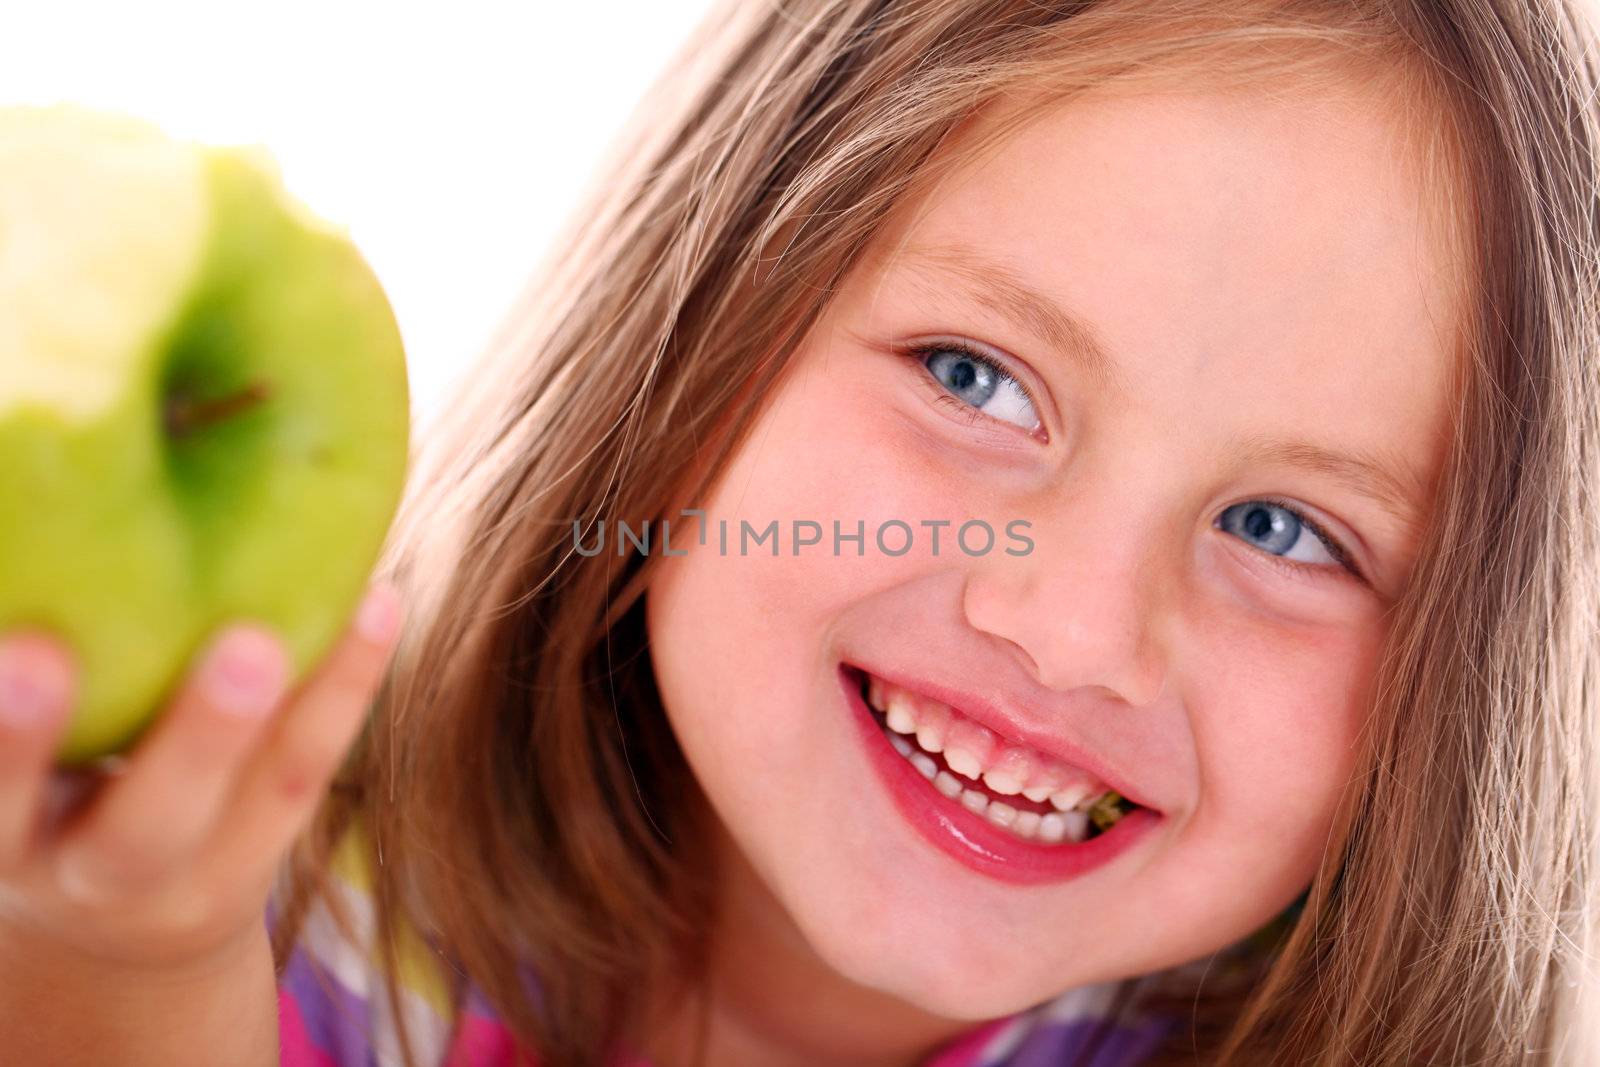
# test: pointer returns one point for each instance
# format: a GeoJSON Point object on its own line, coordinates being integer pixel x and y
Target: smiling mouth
{"type": "Point", "coordinates": [1031, 796]}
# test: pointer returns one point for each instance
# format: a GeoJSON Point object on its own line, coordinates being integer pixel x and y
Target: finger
{"type": "Point", "coordinates": [38, 688]}
{"type": "Point", "coordinates": [287, 776]}
{"type": "Point", "coordinates": [162, 807]}
{"type": "Point", "coordinates": [69, 791]}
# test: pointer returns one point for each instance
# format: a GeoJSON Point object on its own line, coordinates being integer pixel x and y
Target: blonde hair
{"type": "Point", "coordinates": [525, 799]}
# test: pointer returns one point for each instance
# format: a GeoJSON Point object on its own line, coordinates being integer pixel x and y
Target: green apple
{"type": "Point", "coordinates": [204, 413]}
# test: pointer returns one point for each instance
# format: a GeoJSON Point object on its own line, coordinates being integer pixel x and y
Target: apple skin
{"type": "Point", "coordinates": [244, 450]}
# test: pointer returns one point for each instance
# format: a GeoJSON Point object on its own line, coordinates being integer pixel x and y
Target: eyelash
{"type": "Point", "coordinates": [919, 351]}
{"type": "Point", "coordinates": [1334, 546]}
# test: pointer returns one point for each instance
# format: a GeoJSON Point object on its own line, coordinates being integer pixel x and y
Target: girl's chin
{"type": "Point", "coordinates": [885, 911]}
{"type": "Point", "coordinates": [943, 967]}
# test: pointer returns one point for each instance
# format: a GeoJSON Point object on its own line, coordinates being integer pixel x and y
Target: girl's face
{"type": "Point", "coordinates": [1235, 303]}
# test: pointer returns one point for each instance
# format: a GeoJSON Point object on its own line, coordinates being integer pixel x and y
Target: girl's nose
{"type": "Point", "coordinates": [1086, 606]}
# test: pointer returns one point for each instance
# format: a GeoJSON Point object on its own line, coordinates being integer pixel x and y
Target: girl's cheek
{"type": "Point", "coordinates": [1274, 717]}
{"type": "Point", "coordinates": [737, 625]}
{"type": "Point", "coordinates": [1276, 720]}
{"type": "Point", "coordinates": [849, 461]}
{"type": "Point", "coordinates": [1279, 675]}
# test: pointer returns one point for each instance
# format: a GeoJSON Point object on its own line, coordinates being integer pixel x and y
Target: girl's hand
{"type": "Point", "coordinates": [166, 863]}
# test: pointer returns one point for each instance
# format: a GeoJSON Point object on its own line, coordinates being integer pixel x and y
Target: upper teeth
{"type": "Point", "coordinates": [974, 751]}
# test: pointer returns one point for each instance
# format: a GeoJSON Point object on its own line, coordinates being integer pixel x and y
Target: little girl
{"type": "Point", "coordinates": [1008, 534]}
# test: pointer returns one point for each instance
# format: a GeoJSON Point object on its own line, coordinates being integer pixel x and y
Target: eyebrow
{"type": "Point", "coordinates": [999, 288]}
{"type": "Point", "coordinates": [1382, 477]}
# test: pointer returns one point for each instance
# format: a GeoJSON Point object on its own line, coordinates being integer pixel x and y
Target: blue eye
{"type": "Point", "coordinates": [978, 382]}
{"type": "Point", "coordinates": [1277, 527]}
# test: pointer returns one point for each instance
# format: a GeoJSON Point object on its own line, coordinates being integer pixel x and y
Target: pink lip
{"type": "Point", "coordinates": [970, 838]}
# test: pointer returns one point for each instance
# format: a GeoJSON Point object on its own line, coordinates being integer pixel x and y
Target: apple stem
{"type": "Point", "coordinates": [184, 415]}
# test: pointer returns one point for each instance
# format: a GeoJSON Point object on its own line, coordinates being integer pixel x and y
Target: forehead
{"type": "Point", "coordinates": [1251, 260]}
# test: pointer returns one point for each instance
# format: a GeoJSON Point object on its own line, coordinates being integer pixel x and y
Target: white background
{"type": "Point", "coordinates": [449, 139]}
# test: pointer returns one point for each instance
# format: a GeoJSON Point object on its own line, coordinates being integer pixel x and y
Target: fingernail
{"type": "Point", "coordinates": [244, 674]}
{"type": "Point", "coordinates": [379, 614]}
{"type": "Point", "coordinates": [34, 689]}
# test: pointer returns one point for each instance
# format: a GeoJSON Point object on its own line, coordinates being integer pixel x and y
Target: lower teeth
{"type": "Point", "coordinates": [1051, 828]}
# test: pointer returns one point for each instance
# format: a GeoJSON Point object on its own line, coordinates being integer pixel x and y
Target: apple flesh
{"type": "Point", "coordinates": [204, 412]}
